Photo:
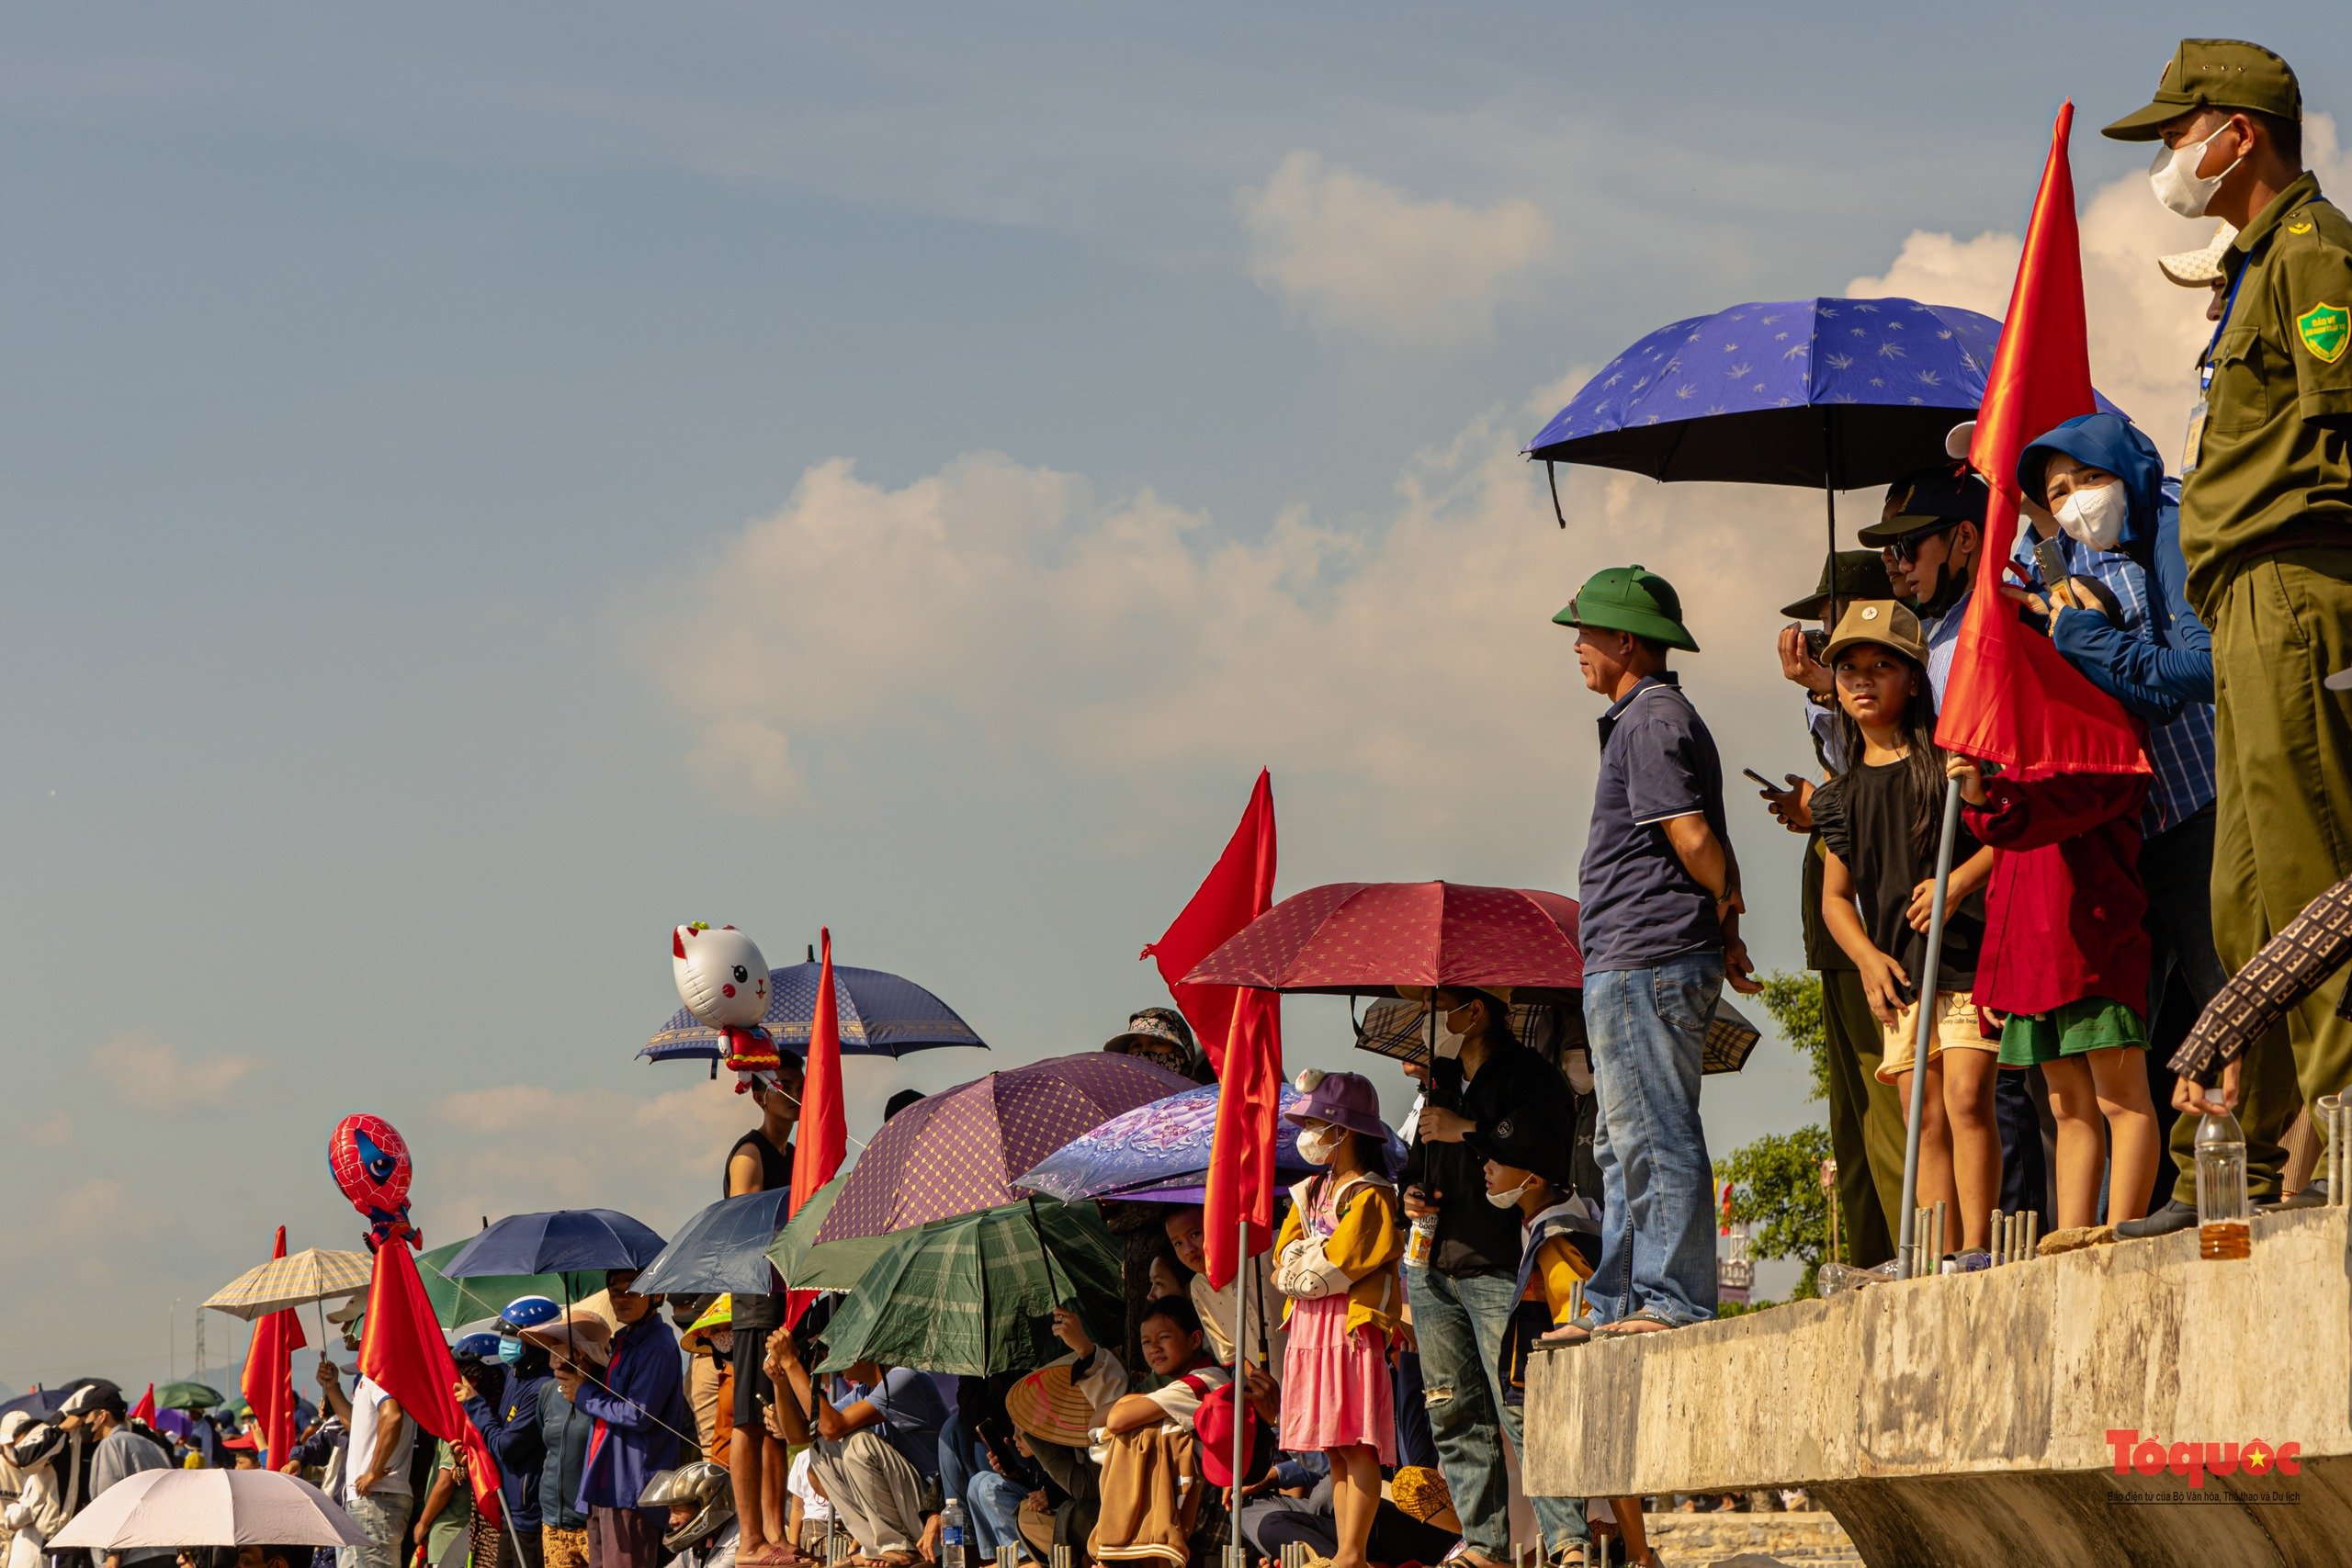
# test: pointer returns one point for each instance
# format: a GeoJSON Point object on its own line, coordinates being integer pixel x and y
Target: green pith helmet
{"type": "Point", "coordinates": [1630, 599]}
{"type": "Point", "coordinates": [2214, 72]}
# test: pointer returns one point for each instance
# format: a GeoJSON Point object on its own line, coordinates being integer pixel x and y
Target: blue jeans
{"type": "Point", "coordinates": [1459, 1320]}
{"type": "Point", "coordinates": [991, 1504]}
{"type": "Point", "coordinates": [1648, 1031]}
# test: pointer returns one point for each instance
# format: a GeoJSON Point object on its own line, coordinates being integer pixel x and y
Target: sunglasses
{"type": "Point", "coordinates": [1906, 549]}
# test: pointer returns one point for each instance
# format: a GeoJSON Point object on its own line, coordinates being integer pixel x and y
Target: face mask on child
{"type": "Point", "coordinates": [1317, 1145]}
{"type": "Point", "coordinates": [1507, 1200]}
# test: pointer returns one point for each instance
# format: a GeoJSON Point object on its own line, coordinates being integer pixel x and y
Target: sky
{"type": "Point", "coordinates": [488, 484]}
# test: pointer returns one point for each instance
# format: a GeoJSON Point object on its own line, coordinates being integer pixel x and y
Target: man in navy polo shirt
{"type": "Point", "coordinates": [1660, 932]}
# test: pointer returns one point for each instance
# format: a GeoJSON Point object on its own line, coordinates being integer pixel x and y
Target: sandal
{"type": "Point", "coordinates": [1642, 1321]}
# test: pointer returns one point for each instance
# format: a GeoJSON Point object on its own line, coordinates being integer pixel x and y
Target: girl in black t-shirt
{"type": "Point", "coordinates": [1880, 819]}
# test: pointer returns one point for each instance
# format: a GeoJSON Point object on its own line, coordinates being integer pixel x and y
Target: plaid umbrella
{"type": "Point", "coordinates": [970, 1296]}
{"type": "Point", "coordinates": [310, 1275]}
{"type": "Point", "coordinates": [1368, 938]}
{"type": "Point", "coordinates": [958, 1152]}
{"type": "Point", "coordinates": [1401, 1030]}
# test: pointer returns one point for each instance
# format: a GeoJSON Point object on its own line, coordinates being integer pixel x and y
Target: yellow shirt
{"type": "Point", "coordinates": [1557, 1280]}
{"type": "Point", "coordinates": [1366, 1244]}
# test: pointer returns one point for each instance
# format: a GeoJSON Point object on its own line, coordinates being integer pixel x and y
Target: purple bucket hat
{"type": "Point", "coordinates": [1344, 1099]}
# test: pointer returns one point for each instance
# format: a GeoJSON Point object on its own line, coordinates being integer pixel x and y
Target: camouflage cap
{"type": "Point", "coordinates": [2214, 72]}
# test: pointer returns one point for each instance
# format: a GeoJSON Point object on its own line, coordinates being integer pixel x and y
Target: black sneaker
{"type": "Point", "coordinates": [2175, 1215]}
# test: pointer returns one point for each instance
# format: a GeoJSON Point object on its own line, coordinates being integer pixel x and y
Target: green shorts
{"type": "Point", "coordinates": [2094, 1023]}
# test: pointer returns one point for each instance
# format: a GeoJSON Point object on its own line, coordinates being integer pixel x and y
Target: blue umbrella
{"type": "Point", "coordinates": [557, 1242]}
{"type": "Point", "coordinates": [1837, 393]}
{"type": "Point", "coordinates": [724, 1247]}
{"type": "Point", "coordinates": [881, 1015]}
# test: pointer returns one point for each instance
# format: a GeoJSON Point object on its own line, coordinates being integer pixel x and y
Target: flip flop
{"type": "Point", "coordinates": [1644, 1321]}
{"type": "Point", "coordinates": [1567, 1333]}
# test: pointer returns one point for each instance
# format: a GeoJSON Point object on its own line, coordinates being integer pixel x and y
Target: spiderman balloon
{"type": "Point", "coordinates": [371, 1164]}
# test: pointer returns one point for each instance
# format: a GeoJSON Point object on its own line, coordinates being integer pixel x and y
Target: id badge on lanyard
{"type": "Point", "coordinates": [2193, 444]}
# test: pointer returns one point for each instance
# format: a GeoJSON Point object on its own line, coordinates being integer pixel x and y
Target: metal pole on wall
{"type": "Point", "coordinates": [1906, 1264]}
{"type": "Point", "coordinates": [1240, 1382]}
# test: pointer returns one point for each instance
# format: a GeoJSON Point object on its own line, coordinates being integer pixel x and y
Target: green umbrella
{"type": "Point", "coordinates": [187, 1395]}
{"type": "Point", "coordinates": [834, 1266]}
{"type": "Point", "coordinates": [970, 1296]}
{"type": "Point", "coordinates": [457, 1302]}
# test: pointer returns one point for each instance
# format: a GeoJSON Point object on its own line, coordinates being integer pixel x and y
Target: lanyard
{"type": "Point", "coordinates": [2229, 300]}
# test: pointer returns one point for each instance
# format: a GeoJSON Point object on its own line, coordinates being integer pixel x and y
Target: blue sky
{"type": "Point", "coordinates": [488, 484]}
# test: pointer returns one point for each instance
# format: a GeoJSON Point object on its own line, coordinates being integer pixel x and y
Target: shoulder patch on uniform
{"type": "Point", "coordinates": [2326, 330]}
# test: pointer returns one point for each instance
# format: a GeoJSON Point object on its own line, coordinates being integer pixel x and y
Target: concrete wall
{"type": "Point", "coordinates": [1963, 1420]}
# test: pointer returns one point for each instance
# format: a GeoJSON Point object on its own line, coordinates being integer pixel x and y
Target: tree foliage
{"type": "Point", "coordinates": [1794, 1002]}
{"type": "Point", "coordinates": [1776, 1193]}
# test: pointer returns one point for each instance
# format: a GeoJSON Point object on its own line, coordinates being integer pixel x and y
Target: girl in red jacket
{"type": "Point", "coordinates": [2064, 949]}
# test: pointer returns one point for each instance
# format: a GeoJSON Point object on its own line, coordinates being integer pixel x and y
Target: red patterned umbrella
{"type": "Point", "coordinates": [958, 1152]}
{"type": "Point", "coordinates": [1368, 938]}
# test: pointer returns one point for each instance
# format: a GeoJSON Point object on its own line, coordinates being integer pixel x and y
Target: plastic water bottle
{"type": "Point", "coordinates": [2225, 1213]}
{"type": "Point", "coordinates": [951, 1516]}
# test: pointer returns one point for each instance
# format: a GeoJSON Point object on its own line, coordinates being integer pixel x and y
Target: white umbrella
{"type": "Point", "coordinates": [209, 1507]}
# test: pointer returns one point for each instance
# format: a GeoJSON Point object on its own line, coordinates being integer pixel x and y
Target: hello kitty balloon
{"type": "Point", "coordinates": [723, 980]}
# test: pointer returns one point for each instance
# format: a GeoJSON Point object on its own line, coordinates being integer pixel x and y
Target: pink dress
{"type": "Point", "coordinates": [1336, 1388]}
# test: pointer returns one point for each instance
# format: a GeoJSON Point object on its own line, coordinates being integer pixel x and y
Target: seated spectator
{"type": "Point", "coordinates": [699, 1501]}
{"type": "Point", "coordinates": [1187, 1236]}
{"type": "Point", "coordinates": [1152, 1486]}
{"type": "Point", "coordinates": [877, 1448]}
{"type": "Point", "coordinates": [810, 1517]}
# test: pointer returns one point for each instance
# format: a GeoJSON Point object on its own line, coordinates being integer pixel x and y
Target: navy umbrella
{"type": "Point", "coordinates": [1834, 393]}
{"type": "Point", "coordinates": [724, 1247]}
{"type": "Point", "coordinates": [881, 1015]}
{"type": "Point", "coordinates": [557, 1242]}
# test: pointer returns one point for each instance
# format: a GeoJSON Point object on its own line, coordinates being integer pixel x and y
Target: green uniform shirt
{"type": "Point", "coordinates": [2273, 459]}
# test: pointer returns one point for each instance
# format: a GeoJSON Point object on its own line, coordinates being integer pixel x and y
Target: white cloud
{"type": "Point", "coordinates": [2145, 330]}
{"type": "Point", "coordinates": [1360, 256]}
{"type": "Point", "coordinates": [156, 1075]}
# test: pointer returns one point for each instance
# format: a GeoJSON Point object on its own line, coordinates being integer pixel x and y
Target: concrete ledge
{"type": "Point", "coordinates": [1963, 1420]}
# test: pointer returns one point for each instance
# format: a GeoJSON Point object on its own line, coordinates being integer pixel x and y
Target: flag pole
{"type": "Point", "coordinates": [1907, 1264]}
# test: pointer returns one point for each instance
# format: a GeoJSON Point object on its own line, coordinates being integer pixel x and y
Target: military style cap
{"type": "Point", "coordinates": [1929, 498]}
{"type": "Point", "coordinates": [2214, 72]}
{"type": "Point", "coordinates": [1860, 575]}
{"type": "Point", "coordinates": [1630, 599]}
{"type": "Point", "coordinates": [1885, 621]}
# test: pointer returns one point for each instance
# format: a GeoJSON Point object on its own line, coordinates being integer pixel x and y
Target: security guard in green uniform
{"type": "Point", "coordinates": [2265, 517]}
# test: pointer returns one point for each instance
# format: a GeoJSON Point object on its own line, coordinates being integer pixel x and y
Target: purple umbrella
{"type": "Point", "coordinates": [958, 1152]}
{"type": "Point", "coordinates": [1153, 1145]}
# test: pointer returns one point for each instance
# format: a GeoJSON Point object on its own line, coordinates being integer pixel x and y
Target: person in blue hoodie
{"type": "Point", "coordinates": [2098, 482]}
{"type": "Point", "coordinates": [639, 1425]}
{"type": "Point", "coordinates": [510, 1423]}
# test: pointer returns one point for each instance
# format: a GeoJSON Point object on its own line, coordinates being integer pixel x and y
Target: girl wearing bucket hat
{"type": "Point", "coordinates": [1340, 1249]}
{"type": "Point", "coordinates": [1879, 819]}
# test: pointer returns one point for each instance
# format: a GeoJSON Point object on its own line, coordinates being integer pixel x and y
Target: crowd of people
{"type": "Point", "coordinates": [1556, 1186]}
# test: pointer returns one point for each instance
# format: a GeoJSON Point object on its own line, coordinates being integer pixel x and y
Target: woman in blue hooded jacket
{"type": "Point", "coordinates": [2099, 481]}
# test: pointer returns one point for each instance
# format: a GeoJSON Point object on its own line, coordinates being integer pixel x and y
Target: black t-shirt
{"type": "Point", "coordinates": [1473, 1235]}
{"type": "Point", "coordinates": [776, 1174]}
{"type": "Point", "coordinates": [1864, 816]}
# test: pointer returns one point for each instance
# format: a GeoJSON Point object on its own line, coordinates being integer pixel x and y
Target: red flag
{"type": "Point", "coordinates": [2010, 698]}
{"type": "Point", "coordinates": [145, 1409]}
{"type": "Point", "coordinates": [269, 1378]}
{"type": "Point", "coordinates": [403, 1351]}
{"type": "Point", "coordinates": [1239, 888]}
{"type": "Point", "coordinates": [1242, 1029]}
{"type": "Point", "coordinates": [823, 1138]}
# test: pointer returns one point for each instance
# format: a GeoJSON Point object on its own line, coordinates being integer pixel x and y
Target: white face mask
{"type": "Point", "coordinates": [1449, 1040]}
{"type": "Point", "coordinates": [1317, 1145]}
{"type": "Point", "coordinates": [2095, 516]}
{"type": "Point", "coordinates": [2177, 182]}
{"type": "Point", "coordinates": [1507, 1200]}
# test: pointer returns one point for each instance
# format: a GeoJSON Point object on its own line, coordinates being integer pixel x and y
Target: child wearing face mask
{"type": "Point", "coordinates": [1340, 1248]}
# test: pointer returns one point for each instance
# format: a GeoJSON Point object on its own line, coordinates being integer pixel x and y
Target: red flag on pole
{"type": "Point", "coordinates": [145, 1411]}
{"type": "Point", "coordinates": [268, 1382]}
{"type": "Point", "coordinates": [2011, 698]}
{"type": "Point", "coordinates": [823, 1141]}
{"type": "Point", "coordinates": [403, 1351]}
{"type": "Point", "coordinates": [1242, 1029]}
